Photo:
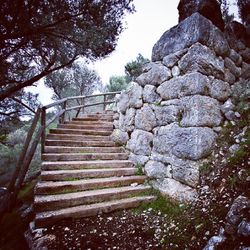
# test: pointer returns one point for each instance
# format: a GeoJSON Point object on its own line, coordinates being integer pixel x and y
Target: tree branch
{"type": "Point", "coordinates": [39, 29]}
{"type": "Point", "coordinates": [23, 104]}
{"type": "Point", "coordinates": [6, 93]}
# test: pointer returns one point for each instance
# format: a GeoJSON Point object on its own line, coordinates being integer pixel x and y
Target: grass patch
{"type": "Point", "coordinates": [139, 169]}
{"type": "Point", "coordinates": [242, 154]}
{"type": "Point", "coordinates": [158, 104]}
{"type": "Point", "coordinates": [74, 179]}
{"type": "Point", "coordinates": [233, 181]}
{"type": "Point", "coordinates": [26, 193]}
{"type": "Point", "coordinates": [67, 191]}
{"type": "Point", "coordinates": [205, 168]}
{"type": "Point", "coordinates": [161, 204]}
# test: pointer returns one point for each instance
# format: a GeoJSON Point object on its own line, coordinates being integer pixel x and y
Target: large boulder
{"type": "Point", "coordinates": [126, 121]}
{"type": "Point", "coordinates": [119, 137]}
{"type": "Point", "coordinates": [202, 59]}
{"type": "Point", "coordinates": [166, 114]}
{"type": "Point", "coordinates": [145, 118]}
{"type": "Point", "coordinates": [150, 95]}
{"type": "Point", "coordinates": [176, 190]}
{"type": "Point", "coordinates": [237, 212]}
{"type": "Point", "coordinates": [188, 143]}
{"type": "Point", "coordinates": [189, 84]}
{"type": "Point", "coordinates": [200, 111]}
{"type": "Point", "coordinates": [219, 90]}
{"type": "Point", "coordinates": [208, 8]}
{"type": "Point", "coordinates": [140, 142]}
{"type": "Point", "coordinates": [157, 170]}
{"type": "Point", "coordinates": [235, 57]}
{"type": "Point", "coordinates": [155, 74]}
{"type": "Point", "coordinates": [130, 98]}
{"type": "Point", "coordinates": [183, 170]}
{"type": "Point", "coordinates": [245, 71]}
{"type": "Point", "coordinates": [193, 29]}
{"type": "Point", "coordinates": [138, 159]}
{"type": "Point", "coordinates": [236, 71]}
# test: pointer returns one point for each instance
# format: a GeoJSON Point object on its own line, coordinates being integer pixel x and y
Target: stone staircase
{"type": "Point", "coordinates": [84, 173]}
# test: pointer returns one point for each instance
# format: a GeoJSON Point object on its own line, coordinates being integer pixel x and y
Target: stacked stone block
{"type": "Point", "coordinates": [170, 116]}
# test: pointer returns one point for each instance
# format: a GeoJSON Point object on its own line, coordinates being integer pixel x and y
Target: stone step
{"type": "Point", "coordinates": [70, 165]}
{"type": "Point", "coordinates": [63, 149]}
{"type": "Point", "coordinates": [97, 116]}
{"type": "Point", "coordinates": [79, 131]}
{"type": "Point", "coordinates": [57, 201]}
{"type": "Point", "coordinates": [50, 187]}
{"type": "Point", "coordinates": [73, 143]}
{"type": "Point", "coordinates": [89, 123]}
{"type": "Point", "coordinates": [49, 218]}
{"type": "Point", "coordinates": [60, 175]}
{"type": "Point", "coordinates": [91, 127]}
{"type": "Point", "coordinates": [108, 119]}
{"type": "Point", "coordinates": [84, 156]}
{"type": "Point", "coordinates": [78, 137]}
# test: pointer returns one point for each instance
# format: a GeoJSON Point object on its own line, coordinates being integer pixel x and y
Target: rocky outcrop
{"type": "Point", "coordinates": [175, 189]}
{"type": "Point", "coordinates": [140, 142]}
{"type": "Point", "coordinates": [196, 28]}
{"type": "Point", "coordinates": [187, 143]}
{"type": "Point", "coordinates": [237, 224]}
{"type": "Point", "coordinates": [186, 85]}
{"type": "Point", "coordinates": [208, 8]}
{"type": "Point", "coordinates": [174, 110]}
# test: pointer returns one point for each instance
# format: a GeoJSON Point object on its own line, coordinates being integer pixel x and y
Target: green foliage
{"type": "Point", "coordinates": [134, 68]}
{"type": "Point", "coordinates": [117, 83]}
{"type": "Point", "coordinates": [10, 152]}
{"type": "Point", "coordinates": [11, 109]}
{"type": "Point", "coordinates": [205, 168]}
{"type": "Point", "coordinates": [16, 137]}
{"type": "Point", "coordinates": [139, 169]}
{"type": "Point", "coordinates": [9, 157]}
{"type": "Point", "coordinates": [26, 193]}
{"type": "Point", "coordinates": [240, 155]}
{"type": "Point", "coordinates": [40, 37]}
{"type": "Point", "coordinates": [225, 136]}
{"type": "Point", "coordinates": [74, 81]}
{"type": "Point", "coordinates": [158, 104]}
{"type": "Point", "coordinates": [162, 204]}
{"type": "Point", "coordinates": [232, 181]}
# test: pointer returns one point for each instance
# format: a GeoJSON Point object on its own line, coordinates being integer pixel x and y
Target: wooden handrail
{"type": "Point", "coordinates": [78, 97]}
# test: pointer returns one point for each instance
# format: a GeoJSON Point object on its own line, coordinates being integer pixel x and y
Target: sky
{"type": "Point", "coordinates": [143, 29]}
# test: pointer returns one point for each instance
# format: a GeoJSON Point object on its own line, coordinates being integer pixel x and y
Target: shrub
{"type": "Point", "coordinates": [16, 137]}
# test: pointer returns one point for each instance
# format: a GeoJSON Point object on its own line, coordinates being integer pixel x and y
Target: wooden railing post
{"type": "Point", "coordinates": [83, 103]}
{"type": "Point", "coordinates": [43, 127]}
{"type": "Point", "coordinates": [104, 102]}
{"type": "Point", "coordinates": [82, 107]}
{"type": "Point", "coordinates": [62, 120]}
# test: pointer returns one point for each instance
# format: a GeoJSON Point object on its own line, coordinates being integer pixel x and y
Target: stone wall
{"type": "Point", "coordinates": [170, 117]}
